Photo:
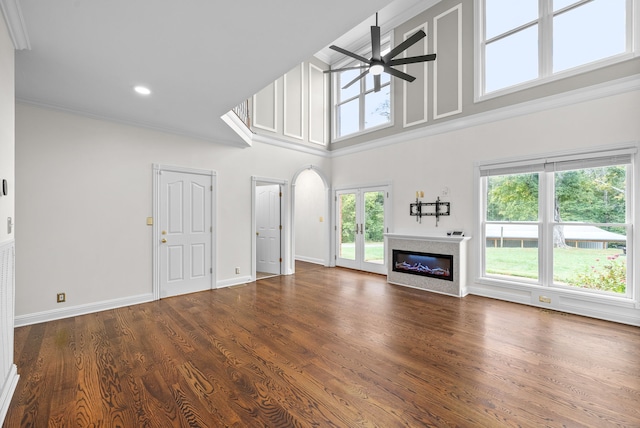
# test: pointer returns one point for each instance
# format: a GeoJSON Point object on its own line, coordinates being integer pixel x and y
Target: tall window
{"type": "Point", "coordinates": [526, 40]}
{"type": "Point", "coordinates": [560, 222]}
{"type": "Point", "coordinates": [358, 108]}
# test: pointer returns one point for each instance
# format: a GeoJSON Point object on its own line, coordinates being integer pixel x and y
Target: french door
{"type": "Point", "coordinates": [361, 222]}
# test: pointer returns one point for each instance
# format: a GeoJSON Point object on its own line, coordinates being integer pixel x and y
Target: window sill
{"type": "Point", "coordinates": [575, 71]}
{"type": "Point", "coordinates": [363, 132]}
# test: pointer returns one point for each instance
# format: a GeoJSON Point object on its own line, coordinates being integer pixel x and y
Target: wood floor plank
{"type": "Point", "coordinates": [326, 347]}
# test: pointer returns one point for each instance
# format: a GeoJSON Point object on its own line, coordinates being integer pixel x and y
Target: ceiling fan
{"type": "Point", "coordinates": [379, 63]}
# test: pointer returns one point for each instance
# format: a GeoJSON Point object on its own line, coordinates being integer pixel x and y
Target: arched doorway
{"type": "Point", "coordinates": [311, 219]}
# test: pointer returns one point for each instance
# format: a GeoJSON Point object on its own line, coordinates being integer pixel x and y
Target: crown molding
{"type": "Point", "coordinates": [15, 24]}
{"type": "Point", "coordinates": [274, 141]}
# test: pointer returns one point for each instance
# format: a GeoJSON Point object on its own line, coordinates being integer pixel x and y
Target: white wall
{"type": "Point", "coordinates": [85, 191]}
{"type": "Point", "coordinates": [7, 129]}
{"type": "Point", "coordinates": [310, 218]}
{"type": "Point", "coordinates": [447, 160]}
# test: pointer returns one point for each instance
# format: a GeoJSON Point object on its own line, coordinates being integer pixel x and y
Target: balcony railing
{"type": "Point", "coordinates": [242, 111]}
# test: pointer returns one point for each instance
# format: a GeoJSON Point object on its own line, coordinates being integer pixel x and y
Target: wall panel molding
{"type": "Point", "coordinates": [447, 75]}
{"type": "Point", "coordinates": [317, 105]}
{"type": "Point", "coordinates": [265, 108]}
{"type": "Point", "coordinates": [412, 94]}
{"type": "Point", "coordinates": [8, 370]}
{"type": "Point", "coordinates": [293, 104]}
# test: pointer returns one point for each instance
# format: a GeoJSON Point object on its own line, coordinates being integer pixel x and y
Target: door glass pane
{"type": "Point", "coordinates": [347, 224]}
{"type": "Point", "coordinates": [512, 250]}
{"type": "Point", "coordinates": [590, 257]}
{"type": "Point", "coordinates": [590, 32]}
{"type": "Point", "coordinates": [374, 227]}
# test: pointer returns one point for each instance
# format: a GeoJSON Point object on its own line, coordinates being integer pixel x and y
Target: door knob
{"type": "Point", "coordinates": [164, 240]}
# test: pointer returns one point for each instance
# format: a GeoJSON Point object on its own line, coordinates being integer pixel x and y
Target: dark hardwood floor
{"type": "Point", "coordinates": [326, 347]}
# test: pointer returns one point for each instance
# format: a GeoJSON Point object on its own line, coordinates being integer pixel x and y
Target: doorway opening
{"type": "Point", "coordinates": [269, 245]}
{"type": "Point", "coordinates": [311, 221]}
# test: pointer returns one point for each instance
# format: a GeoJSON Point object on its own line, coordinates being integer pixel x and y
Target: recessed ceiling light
{"type": "Point", "coordinates": [142, 90]}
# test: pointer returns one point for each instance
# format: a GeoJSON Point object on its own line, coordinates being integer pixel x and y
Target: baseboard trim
{"type": "Point", "coordinates": [234, 281]}
{"type": "Point", "coordinates": [74, 311]}
{"type": "Point", "coordinates": [586, 306]}
{"type": "Point", "coordinates": [310, 260]}
{"type": "Point", "coordinates": [7, 391]}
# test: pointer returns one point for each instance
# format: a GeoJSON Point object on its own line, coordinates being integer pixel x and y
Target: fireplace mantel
{"type": "Point", "coordinates": [437, 244]}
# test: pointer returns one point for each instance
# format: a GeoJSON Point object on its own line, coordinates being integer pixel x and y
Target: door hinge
{"type": "Point", "coordinates": [210, 270]}
{"type": "Point", "coordinates": [280, 259]}
{"type": "Point", "coordinates": [280, 194]}
{"type": "Point", "coordinates": [335, 257]}
{"type": "Point", "coordinates": [211, 187]}
{"type": "Point", "coordinates": [387, 195]}
{"type": "Point", "coordinates": [280, 227]}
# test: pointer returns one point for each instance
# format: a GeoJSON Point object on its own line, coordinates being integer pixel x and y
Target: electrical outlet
{"type": "Point", "coordinates": [544, 299]}
{"type": "Point", "coordinates": [61, 297]}
{"type": "Point", "coordinates": [237, 271]}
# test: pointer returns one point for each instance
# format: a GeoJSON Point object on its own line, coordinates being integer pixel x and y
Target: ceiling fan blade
{"type": "Point", "coordinates": [412, 59]}
{"type": "Point", "coordinates": [399, 74]}
{"type": "Point", "coordinates": [418, 35]}
{"type": "Point", "coordinates": [357, 67]}
{"type": "Point", "coordinates": [376, 83]}
{"type": "Point", "coordinates": [375, 43]}
{"type": "Point", "coordinates": [356, 79]}
{"type": "Point", "coordinates": [351, 54]}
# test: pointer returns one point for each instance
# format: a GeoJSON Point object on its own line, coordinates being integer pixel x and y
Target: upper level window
{"type": "Point", "coordinates": [525, 40]}
{"type": "Point", "coordinates": [359, 108]}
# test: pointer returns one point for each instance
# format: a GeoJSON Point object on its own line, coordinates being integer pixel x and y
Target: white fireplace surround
{"type": "Point", "coordinates": [448, 245]}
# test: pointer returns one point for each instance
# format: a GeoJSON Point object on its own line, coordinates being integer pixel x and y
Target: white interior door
{"type": "Point", "coordinates": [361, 224]}
{"type": "Point", "coordinates": [185, 233]}
{"type": "Point", "coordinates": [268, 229]}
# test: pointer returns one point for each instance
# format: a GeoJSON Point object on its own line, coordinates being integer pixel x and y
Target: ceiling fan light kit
{"type": "Point", "coordinates": [378, 64]}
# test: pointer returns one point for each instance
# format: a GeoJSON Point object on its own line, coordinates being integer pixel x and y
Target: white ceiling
{"type": "Point", "coordinates": [199, 57]}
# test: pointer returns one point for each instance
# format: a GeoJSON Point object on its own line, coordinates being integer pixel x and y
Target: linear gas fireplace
{"type": "Point", "coordinates": [425, 264]}
{"type": "Point", "coordinates": [431, 263]}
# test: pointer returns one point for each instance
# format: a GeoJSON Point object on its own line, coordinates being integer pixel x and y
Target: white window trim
{"type": "Point", "coordinates": [633, 50]}
{"type": "Point", "coordinates": [365, 52]}
{"type": "Point", "coordinates": [491, 285]}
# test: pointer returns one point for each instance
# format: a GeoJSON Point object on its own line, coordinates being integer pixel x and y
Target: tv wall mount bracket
{"type": "Point", "coordinates": [422, 209]}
